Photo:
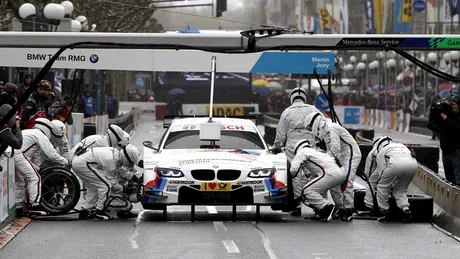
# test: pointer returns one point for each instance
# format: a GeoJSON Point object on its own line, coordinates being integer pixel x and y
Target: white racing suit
{"type": "Point", "coordinates": [97, 168]}
{"type": "Point", "coordinates": [26, 164]}
{"type": "Point", "coordinates": [372, 176]}
{"type": "Point", "coordinates": [340, 144]}
{"type": "Point", "coordinates": [291, 129]}
{"type": "Point", "coordinates": [91, 142]}
{"type": "Point", "coordinates": [326, 174]}
{"type": "Point", "coordinates": [396, 168]}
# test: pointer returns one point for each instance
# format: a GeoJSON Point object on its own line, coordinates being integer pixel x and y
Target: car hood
{"type": "Point", "coordinates": [222, 157]}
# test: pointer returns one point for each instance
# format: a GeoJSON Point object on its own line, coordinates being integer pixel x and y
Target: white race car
{"type": "Point", "coordinates": [236, 169]}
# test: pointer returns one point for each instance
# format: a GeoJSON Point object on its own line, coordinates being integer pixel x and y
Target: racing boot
{"type": "Point", "coordinates": [19, 212]}
{"type": "Point", "coordinates": [86, 214]}
{"type": "Point", "coordinates": [101, 215]}
{"type": "Point", "coordinates": [384, 216]}
{"type": "Point", "coordinates": [37, 209]}
{"type": "Point", "coordinates": [348, 215]}
{"type": "Point", "coordinates": [126, 215]}
{"type": "Point", "coordinates": [407, 216]}
{"type": "Point", "coordinates": [327, 212]}
{"type": "Point", "coordinates": [338, 213]}
{"type": "Point", "coordinates": [297, 211]}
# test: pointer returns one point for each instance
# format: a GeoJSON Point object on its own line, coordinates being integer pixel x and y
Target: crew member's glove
{"type": "Point", "coordinates": [141, 163]}
{"type": "Point", "coordinates": [276, 149]}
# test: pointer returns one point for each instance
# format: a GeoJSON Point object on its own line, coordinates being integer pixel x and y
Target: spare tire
{"type": "Point", "coordinates": [421, 207]}
{"type": "Point", "coordinates": [60, 190]}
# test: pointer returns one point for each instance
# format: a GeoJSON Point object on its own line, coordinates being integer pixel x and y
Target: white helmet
{"type": "Point", "coordinates": [57, 128]}
{"type": "Point", "coordinates": [44, 125]}
{"type": "Point", "coordinates": [126, 139]}
{"type": "Point", "coordinates": [301, 144]}
{"type": "Point", "coordinates": [129, 155]}
{"type": "Point", "coordinates": [313, 123]}
{"type": "Point", "coordinates": [116, 136]}
{"type": "Point", "coordinates": [298, 93]}
{"type": "Point", "coordinates": [382, 142]}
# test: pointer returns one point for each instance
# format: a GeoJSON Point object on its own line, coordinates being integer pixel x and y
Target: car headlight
{"type": "Point", "coordinates": [261, 173]}
{"type": "Point", "coordinates": [168, 172]}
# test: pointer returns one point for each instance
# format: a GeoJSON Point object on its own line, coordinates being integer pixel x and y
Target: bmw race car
{"type": "Point", "coordinates": [228, 165]}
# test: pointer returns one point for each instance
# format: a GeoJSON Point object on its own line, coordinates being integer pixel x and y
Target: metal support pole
{"type": "Point", "coordinates": [257, 213]}
{"type": "Point", "coordinates": [100, 82]}
{"type": "Point", "coordinates": [233, 213]}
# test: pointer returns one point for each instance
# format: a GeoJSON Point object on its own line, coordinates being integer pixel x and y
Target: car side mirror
{"type": "Point", "coordinates": [150, 145]}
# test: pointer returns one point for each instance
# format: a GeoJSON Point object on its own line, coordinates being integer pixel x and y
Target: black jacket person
{"type": "Point", "coordinates": [36, 106]}
{"type": "Point", "coordinates": [10, 133]}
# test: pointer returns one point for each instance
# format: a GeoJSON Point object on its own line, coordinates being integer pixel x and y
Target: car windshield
{"type": "Point", "coordinates": [190, 139]}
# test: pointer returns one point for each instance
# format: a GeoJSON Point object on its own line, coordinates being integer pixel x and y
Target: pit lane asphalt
{"type": "Point", "coordinates": [213, 235]}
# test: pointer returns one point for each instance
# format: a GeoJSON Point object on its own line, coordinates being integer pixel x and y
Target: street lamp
{"type": "Point", "coordinates": [54, 17]}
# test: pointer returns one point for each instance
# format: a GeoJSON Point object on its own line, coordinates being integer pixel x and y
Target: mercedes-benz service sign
{"type": "Point", "coordinates": [419, 6]}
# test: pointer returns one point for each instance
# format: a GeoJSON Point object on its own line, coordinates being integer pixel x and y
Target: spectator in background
{"type": "Point", "coordinates": [27, 80]}
{"type": "Point", "coordinates": [112, 105]}
{"type": "Point", "coordinates": [87, 104]}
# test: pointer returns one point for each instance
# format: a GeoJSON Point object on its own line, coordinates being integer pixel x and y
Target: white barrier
{"type": "Point", "coordinates": [75, 131]}
{"type": "Point", "coordinates": [144, 107]}
{"type": "Point", "coordinates": [7, 195]}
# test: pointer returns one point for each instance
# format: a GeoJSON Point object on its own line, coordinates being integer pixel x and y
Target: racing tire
{"type": "Point", "coordinates": [368, 133]}
{"type": "Point", "coordinates": [421, 207]}
{"type": "Point", "coordinates": [359, 200]}
{"type": "Point", "coordinates": [55, 181]}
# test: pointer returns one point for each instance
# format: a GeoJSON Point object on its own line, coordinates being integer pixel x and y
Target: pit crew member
{"type": "Point", "coordinates": [325, 175]}
{"type": "Point", "coordinates": [97, 168]}
{"type": "Point", "coordinates": [290, 130]}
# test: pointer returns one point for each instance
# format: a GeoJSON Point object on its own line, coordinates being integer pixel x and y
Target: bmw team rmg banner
{"type": "Point", "coordinates": [370, 16]}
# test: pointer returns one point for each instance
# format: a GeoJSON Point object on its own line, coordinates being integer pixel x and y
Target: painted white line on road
{"type": "Point", "coordinates": [249, 208]}
{"type": "Point", "coordinates": [219, 226]}
{"type": "Point", "coordinates": [132, 239]}
{"type": "Point", "coordinates": [231, 246]}
{"type": "Point", "coordinates": [211, 209]}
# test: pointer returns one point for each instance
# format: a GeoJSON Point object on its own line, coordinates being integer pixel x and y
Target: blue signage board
{"type": "Point", "coordinates": [321, 102]}
{"type": "Point", "coordinates": [295, 63]}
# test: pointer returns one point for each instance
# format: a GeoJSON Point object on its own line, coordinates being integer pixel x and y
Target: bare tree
{"type": "Point", "coordinates": [122, 16]}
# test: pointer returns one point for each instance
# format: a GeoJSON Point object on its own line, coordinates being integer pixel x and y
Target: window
{"type": "Point", "coordinates": [190, 139]}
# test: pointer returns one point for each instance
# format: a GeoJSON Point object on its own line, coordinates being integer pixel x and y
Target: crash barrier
{"type": "Point", "coordinates": [388, 120]}
{"type": "Point", "coordinates": [446, 198]}
{"type": "Point", "coordinates": [419, 126]}
{"type": "Point", "coordinates": [160, 109]}
{"type": "Point", "coordinates": [7, 200]}
{"type": "Point", "coordinates": [144, 107]}
{"type": "Point", "coordinates": [83, 127]}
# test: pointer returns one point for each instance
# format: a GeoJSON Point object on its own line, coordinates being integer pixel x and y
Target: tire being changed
{"type": "Point", "coordinates": [56, 181]}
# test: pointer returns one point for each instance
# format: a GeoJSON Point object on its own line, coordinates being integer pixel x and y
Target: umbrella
{"type": "Point", "coordinates": [176, 91]}
{"type": "Point", "coordinates": [274, 85]}
{"type": "Point", "coordinates": [262, 82]}
{"type": "Point", "coordinates": [263, 90]}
